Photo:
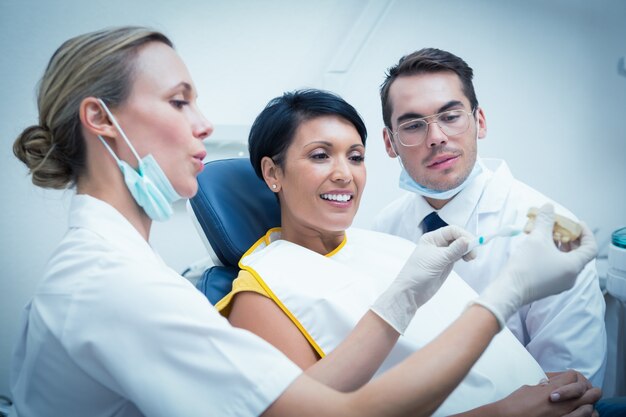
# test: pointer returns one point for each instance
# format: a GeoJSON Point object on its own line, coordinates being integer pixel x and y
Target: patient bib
{"type": "Point", "coordinates": [325, 296]}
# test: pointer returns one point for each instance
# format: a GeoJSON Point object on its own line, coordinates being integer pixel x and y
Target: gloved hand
{"type": "Point", "coordinates": [537, 269]}
{"type": "Point", "coordinates": [422, 275]}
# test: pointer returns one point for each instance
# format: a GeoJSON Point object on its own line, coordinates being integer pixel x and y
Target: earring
{"type": "Point", "coordinates": [273, 186]}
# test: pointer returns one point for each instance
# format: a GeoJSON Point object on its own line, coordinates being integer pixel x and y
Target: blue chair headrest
{"type": "Point", "coordinates": [233, 207]}
{"type": "Point", "coordinates": [216, 282]}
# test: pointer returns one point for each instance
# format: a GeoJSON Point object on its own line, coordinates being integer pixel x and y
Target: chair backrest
{"type": "Point", "coordinates": [234, 208]}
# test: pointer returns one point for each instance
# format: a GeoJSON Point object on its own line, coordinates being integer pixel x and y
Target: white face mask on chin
{"type": "Point", "coordinates": [409, 184]}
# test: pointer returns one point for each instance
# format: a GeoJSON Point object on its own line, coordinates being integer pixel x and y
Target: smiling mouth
{"type": "Point", "coordinates": [337, 197]}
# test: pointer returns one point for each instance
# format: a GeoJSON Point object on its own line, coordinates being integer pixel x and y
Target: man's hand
{"type": "Point", "coordinates": [567, 394]}
{"type": "Point", "coordinates": [574, 387]}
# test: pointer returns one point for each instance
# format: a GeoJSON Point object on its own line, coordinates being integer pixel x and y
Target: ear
{"type": "Point", "coordinates": [482, 123]}
{"type": "Point", "coordinates": [271, 174]}
{"type": "Point", "coordinates": [94, 119]}
{"type": "Point", "coordinates": [389, 145]}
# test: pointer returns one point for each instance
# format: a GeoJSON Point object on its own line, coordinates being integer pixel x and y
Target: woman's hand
{"type": "Point", "coordinates": [422, 275]}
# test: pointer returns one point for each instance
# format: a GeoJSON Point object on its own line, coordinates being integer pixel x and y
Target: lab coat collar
{"type": "Point", "coordinates": [101, 218]}
{"type": "Point", "coordinates": [497, 188]}
{"type": "Point", "coordinates": [486, 194]}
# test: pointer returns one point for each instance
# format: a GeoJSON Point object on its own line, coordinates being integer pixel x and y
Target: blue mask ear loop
{"type": "Point", "coordinates": [106, 145]}
{"type": "Point", "coordinates": [392, 140]}
{"type": "Point", "coordinates": [119, 129]}
{"type": "Point", "coordinates": [476, 122]}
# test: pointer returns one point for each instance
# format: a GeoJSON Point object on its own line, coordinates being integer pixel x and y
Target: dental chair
{"type": "Point", "coordinates": [233, 209]}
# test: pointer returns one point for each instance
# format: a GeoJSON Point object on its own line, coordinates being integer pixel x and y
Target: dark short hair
{"type": "Point", "coordinates": [274, 128]}
{"type": "Point", "coordinates": [427, 60]}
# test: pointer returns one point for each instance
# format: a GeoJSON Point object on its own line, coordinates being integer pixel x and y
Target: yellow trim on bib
{"type": "Point", "coordinates": [338, 248]}
{"type": "Point", "coordinates": [266, 240]}
{"type": "Point", "coordinates": [245, 282]}
{"type": "Point", "coordinates": [289, 314]}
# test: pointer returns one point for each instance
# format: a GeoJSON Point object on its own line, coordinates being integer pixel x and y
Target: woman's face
{"type": "Point", "coordinates": [161, 117]}
{"type": "Point", "coordinates": [323, 177]}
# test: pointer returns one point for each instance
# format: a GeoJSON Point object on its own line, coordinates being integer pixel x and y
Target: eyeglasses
{"type": "Point", "coordinates": [451, 122]}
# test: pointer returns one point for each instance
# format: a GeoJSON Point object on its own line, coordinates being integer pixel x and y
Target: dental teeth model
{"type": "Point", "coordinates": [565, 230]}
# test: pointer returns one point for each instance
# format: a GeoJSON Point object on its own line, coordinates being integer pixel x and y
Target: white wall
{"type": "Point", "coordinates": [546, 75]}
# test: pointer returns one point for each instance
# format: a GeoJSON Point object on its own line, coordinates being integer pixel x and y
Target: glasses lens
{"type": "Point", "coordinates": [453, 122]}
{"type": "Point", "coordinates": [413, 132]}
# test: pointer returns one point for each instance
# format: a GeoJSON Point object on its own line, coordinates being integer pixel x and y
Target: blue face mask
{"type": "Point", "coordinates": [148, 184]}
{"type": "Point", "coordinates": [409, 184]}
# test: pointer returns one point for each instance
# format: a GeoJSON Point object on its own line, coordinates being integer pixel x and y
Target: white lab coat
{"type": "Point", "coordinates": [564, 331]}
{"type": "Point", "coordinates": [112, 331]}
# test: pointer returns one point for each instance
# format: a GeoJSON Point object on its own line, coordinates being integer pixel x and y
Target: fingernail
{"type": "Point", "coordinates": [555, 396]}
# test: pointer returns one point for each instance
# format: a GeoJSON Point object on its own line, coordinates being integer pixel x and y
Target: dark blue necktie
{"type": "Point", "coordinates": [432, 222]}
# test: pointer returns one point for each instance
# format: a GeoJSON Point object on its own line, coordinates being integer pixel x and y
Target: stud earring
{"type": "Point", "coordinates": [273, 186]}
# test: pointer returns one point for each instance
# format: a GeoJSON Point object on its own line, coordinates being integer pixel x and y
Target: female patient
{"type": "Point", "coordinates": [305, 285]}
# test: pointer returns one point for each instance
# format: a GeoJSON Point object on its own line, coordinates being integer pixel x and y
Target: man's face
{"type": "Point", "coordinates": [441, 162]}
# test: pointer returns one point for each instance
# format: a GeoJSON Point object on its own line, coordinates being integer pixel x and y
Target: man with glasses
{"type": "Point", "coordinates": [432, 124]}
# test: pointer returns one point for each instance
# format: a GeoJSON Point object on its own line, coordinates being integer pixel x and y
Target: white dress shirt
{"type": "Point", "coordinates": [112, 331]}
{"type": "Point", "coordinates": [564, 331]}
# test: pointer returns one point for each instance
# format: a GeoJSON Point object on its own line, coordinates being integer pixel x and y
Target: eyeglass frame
{"type": "Point", "coordinates": [396, 136]}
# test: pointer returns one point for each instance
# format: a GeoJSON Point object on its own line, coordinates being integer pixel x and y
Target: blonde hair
{"type": "Point", "coordinates": [97, 64]}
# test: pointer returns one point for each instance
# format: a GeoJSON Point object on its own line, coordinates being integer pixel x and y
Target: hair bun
{"type": "Point", "coordinates": [35, 148]}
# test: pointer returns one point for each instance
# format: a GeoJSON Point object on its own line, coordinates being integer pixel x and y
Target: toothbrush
{"type": "Point", "coordinates": [506, 231]}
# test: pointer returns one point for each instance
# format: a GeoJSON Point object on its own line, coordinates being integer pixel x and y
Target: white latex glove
{"type": "Point", "coordinates": [537, 269]}
{"type": "Point", "coordinates": [422, 275]}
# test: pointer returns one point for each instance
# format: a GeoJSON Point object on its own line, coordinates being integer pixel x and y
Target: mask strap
{"type": "Point", "coordinates": [392, 142]}
{"type": "Point", "coordinates": [119, 129]}
{"type": "Point", "coordinates": [476, 122]}
{"type": "Point", "coordinates": [106, 145]}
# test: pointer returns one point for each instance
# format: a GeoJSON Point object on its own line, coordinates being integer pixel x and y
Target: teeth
{"type": "Point", "coordinates": [337, 197]}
